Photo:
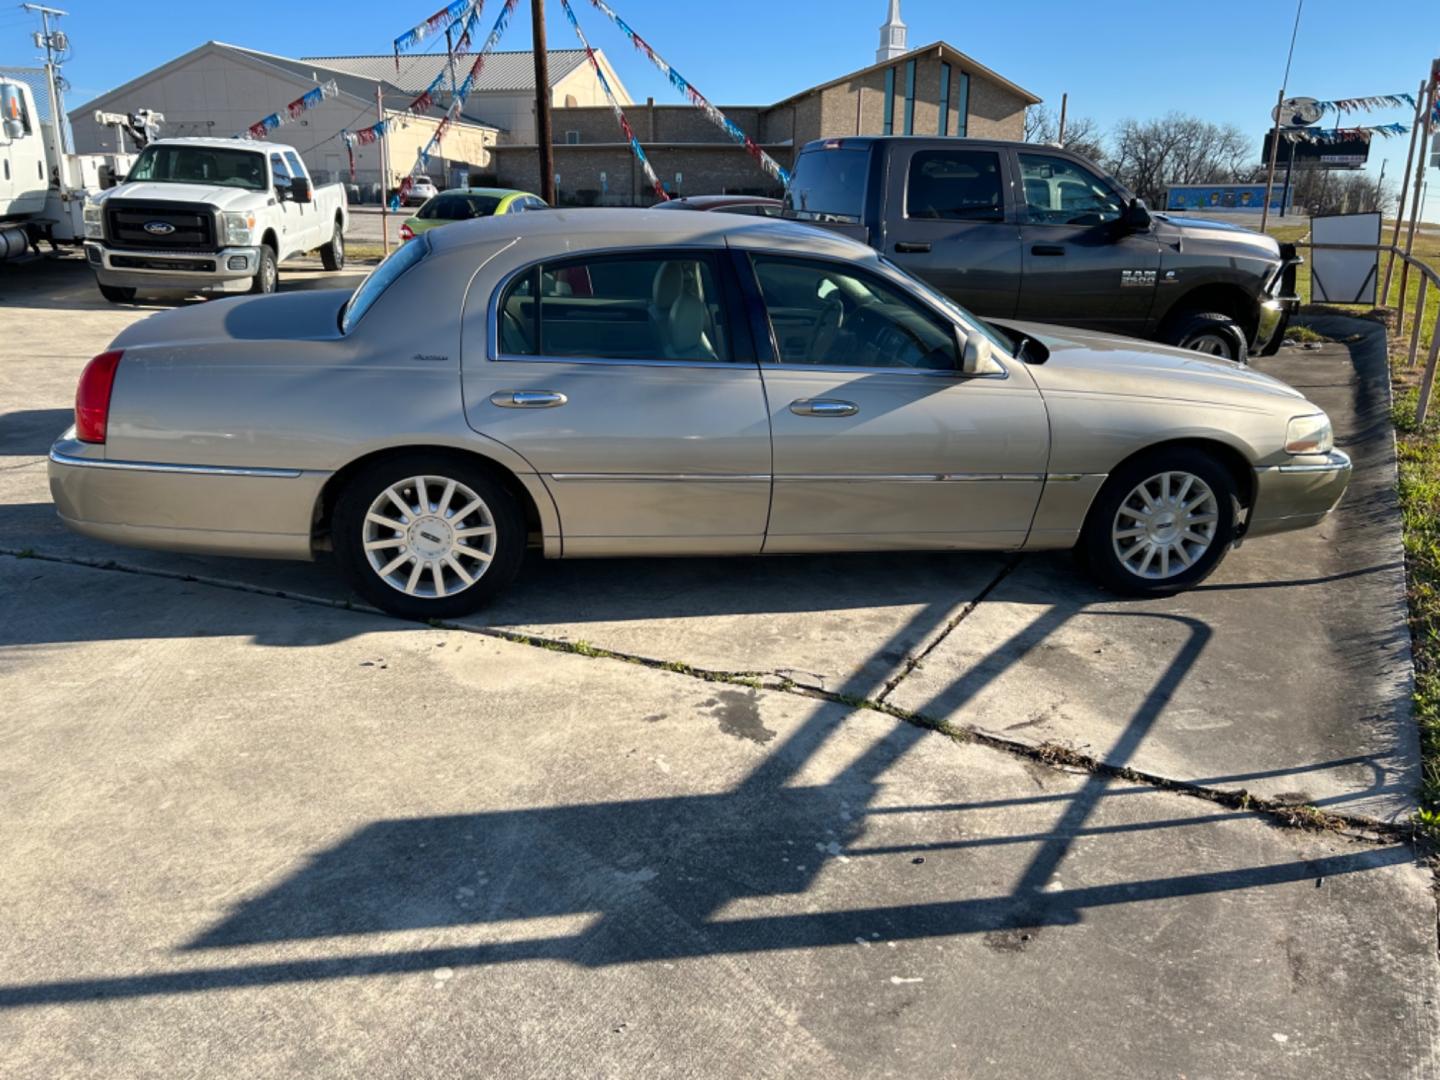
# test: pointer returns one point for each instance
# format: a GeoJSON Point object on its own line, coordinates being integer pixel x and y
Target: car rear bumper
{"type": "Point", "coordinates": [1297, 495]}
{"type": "Point", "coordinates": [213, 510]}
{"type": "Point", "coordinates": [229, 269]}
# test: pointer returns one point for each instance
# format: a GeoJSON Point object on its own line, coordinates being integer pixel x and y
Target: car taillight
{"type": "Point", "coordinates": [406, 233]}
{"type": "Point", "coordinates": [92, 397]}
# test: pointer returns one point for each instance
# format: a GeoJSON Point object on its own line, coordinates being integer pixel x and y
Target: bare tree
{"type": "Point", "coordinates": [1082, 134]}
{"type": "Point", "coordinates": [1149, 155]}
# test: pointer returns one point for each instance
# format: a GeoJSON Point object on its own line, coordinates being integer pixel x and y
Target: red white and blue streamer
{"type": "Point", "coordinates": [714, 115]}
{"type": "Point", "coordinates": [261, 128]}
{"type": "Point", "coordinates": [625, 127]}
{"type": "Point", "coordinates": [457, 103]}
{"type": "Point", "coordinates": [1366, 104]}
{"type": "Point", "coordinates": [1327, 136]}
{"type": "Point", "coordinates": [440, 21]}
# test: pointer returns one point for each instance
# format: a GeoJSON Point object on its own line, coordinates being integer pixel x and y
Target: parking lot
{"type": "Point", "coordinates": [859, 815]}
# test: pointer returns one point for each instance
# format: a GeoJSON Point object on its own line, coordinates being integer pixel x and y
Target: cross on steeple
{"type": "Point", "coordinates": [892, 36]}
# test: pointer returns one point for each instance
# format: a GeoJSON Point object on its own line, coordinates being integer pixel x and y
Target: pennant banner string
{"type": "Point", "coordinates": [714, 115]}
{"type": "Point", "coordinates": [629, 132]}
{"type": "Point", "coordinates": [262, 127]}
{"type": "Point", "coordinates": [439, 21]}
{"type": "Point", "coordinates": [1322, 136]}
{"type": "Point", "coordinates": [1367, 104]}
{"type": "Point", "coordinates": [457, 104]}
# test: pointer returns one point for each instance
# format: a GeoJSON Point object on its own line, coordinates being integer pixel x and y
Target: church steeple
{"type": "Point", "coordinates": [892, 36]}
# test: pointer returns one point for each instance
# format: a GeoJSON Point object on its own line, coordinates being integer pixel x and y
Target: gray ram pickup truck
{"type": "Point", "coordinates": [1028, 231]}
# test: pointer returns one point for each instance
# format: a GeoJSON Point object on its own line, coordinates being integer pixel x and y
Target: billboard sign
{"type": "Point", "coordinates": [1193, 197]}
{"type": "Point", "coordinates": [1345, 151]}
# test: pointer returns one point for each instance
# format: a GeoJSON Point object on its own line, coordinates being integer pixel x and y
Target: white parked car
{"type": "Point", "coordinates": [211, 215]}
{"type": "Point", "coordinates": [422, 190]}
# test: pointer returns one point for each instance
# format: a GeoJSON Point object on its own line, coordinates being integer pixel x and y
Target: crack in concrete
{"type": "Point", "coordinates": [23, 465]}
{"type": "Point", "coordinates": [912, 662]}
{"type": "Point", "coordinates": [1049, 755]}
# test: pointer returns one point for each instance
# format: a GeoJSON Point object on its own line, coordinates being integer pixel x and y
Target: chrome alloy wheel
{"type": "Point", "coordinates": [1211, 344]}
{"type": "Point", "coordinates": [429, 536]}
{"type": "Point", "coordinates": [1164, 525]}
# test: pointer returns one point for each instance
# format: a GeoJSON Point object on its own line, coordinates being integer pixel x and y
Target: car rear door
{"type": "Point", "coordinates": [947, 220]}
{"type": "Point", "coordinates": [1081, 267]}
{"type": "Point", "coordinates": [621, 379]}
{"type": "Point", "coordinates": [880, 441]}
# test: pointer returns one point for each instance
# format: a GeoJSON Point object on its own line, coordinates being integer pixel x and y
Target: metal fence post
{"type": "Point", "coordinates": [1428, 383]}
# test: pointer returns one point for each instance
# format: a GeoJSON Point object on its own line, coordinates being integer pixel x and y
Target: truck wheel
{"type": "Point", "coordinates": [332, 255]}
{"type": "Point", "coordinates": [427, 535]}
{"type": "Point", "coordinates": [268, 276]}
{"type": "Point", "coordinates": [1211, 333]}
{"type": "Point", "coordinates": [1161, 524]}
{"type": "Point", "coordinates": [116, 294]}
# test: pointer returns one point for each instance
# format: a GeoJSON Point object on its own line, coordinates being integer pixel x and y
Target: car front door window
{"type": "Point", "coordinates": [827, 315]}
{"type": "Point", "coordinates": [1060, 192]}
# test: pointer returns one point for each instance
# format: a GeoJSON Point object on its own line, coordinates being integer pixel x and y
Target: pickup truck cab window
{"type": "Point", "coordinates": [650, 307]}
{"type": "Point", "coordinates": [829, 186]}
{"type": "Point", "coordinates": [1060, 192]}
{"type": "Point", "coordinates": [179, 164]}
{"type": "Point", "coordinates": [955, 185]}
{"type": "Point", "coordinates": [297, 168]}
{"type": "Point", "coordinates": [282, 174]}
{"type": "Point", "coordinates": [831, 316]}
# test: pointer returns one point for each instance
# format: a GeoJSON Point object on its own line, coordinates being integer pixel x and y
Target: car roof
{"type": "Point", "coordinates": [706, 202]}
{"type": "Point", "coordinates": [563, 231]}
{"type": "Point", "coordinates": [497, 192]}
{"type": "Point", "coordinates": [223, 144]}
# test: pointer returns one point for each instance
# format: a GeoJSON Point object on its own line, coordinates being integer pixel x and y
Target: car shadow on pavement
{"type": "Point", "coordinates": [682, 876]}
{"type": "Point", "coordinates": [30, 432]}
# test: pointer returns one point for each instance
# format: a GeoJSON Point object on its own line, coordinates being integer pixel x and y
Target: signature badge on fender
{"type": "Point", "coordinates": [1137, 278]}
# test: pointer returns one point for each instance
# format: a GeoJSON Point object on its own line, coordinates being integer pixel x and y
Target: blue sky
{"type": "Point", "coordinates": [1222, 59]}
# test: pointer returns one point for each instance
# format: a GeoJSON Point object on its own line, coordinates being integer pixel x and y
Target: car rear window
{"type": "Point", "coordinates": [458, 207]}
{"type": "Point", "coordinates": [380, 279]}
{"type": "Point", "coordinates": [828, 185]}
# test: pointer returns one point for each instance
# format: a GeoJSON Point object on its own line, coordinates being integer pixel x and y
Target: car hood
{"type": "Point", "coordinates": [1199, 235]}
{"type": "Point", "coordinates": [217, 195]}
{"type": "Point", "coordinates": [298, 316]}
{"type": "Point", "coordinates": [1082, 361]}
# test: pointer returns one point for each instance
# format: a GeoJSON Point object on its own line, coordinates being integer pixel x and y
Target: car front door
{"type": "Point", "coordinates": [621, 380]}
{"type": "Point", "coordinates": [1082, 267]}
{"type": "Point", "coordinates": [947, 221]}
{"type": "Point", "coordinates": [880, 440]}
{"type": "Point", "coordinates": [311, 229]}
{"type": "Point", "coordinates": [281, 173]}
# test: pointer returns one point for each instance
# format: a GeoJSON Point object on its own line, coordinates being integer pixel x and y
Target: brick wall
{"type": "Point", "coordinates": [713, 169]}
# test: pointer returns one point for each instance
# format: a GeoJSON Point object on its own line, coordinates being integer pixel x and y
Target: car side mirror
{"type": "Point", "coordinates": [14, 129]}
{"type": "Point", "coordinates": [978, 356]}
{"type": "Point", "coordinates": [1137, 217]}
{"type": "Point", "coordinates": [300, 190]}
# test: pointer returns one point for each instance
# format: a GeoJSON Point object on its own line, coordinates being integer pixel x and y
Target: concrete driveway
{"type": "Point", "coordinates": [702, 823]}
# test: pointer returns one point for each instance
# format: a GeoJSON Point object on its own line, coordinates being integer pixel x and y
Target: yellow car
{"type": "Point", "coordinates": [462, 204]}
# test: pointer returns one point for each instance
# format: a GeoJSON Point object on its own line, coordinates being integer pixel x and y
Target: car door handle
{"type": "Point", "coordinates": [823, 407]}
{"type": "Point", "coordinates": [1047, 249]}
{"type": "Point", "coordinates": [905, 247]}
{"type": "Point", "coordinates": [528, 399]}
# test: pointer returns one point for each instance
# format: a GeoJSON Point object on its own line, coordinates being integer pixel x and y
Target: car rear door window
{"type": "Point", "coordinates": [629, 307]}
{"type": "Point", "coordinates": [1060, 192]}
{"type": "Point", "coordinates": [458, 207]}
{"type": "Point", "coordinates": [955, 185]}
{"type": "Point", "coordinates": [828, 315]}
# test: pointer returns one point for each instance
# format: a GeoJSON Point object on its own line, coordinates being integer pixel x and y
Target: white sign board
{"type": "Point", "coordinates": [1344, 277]}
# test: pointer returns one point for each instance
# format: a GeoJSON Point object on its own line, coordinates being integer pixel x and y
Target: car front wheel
{"type": "Point", "coordinates": [1161, 524]}
{"type": "Point", "coordinates": [1213, 334]}
{"type": "Point", "coordinates": [427, 537]}
{"type": "Point", "coordinates": [267, 277]}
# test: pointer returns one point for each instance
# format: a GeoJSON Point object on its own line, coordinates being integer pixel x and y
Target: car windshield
{"type": "Point", "coordinates": [175, 164]}
{"type": "Point", "coordinates": [455, 206]}
{"type": "Point", "coordinates": [380, 279]}
{"type": "Point", "coordinates": [940, 300]}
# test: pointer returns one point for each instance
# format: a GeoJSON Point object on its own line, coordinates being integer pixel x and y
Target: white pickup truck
{"type": "Point", "coordinates": [215, 215]}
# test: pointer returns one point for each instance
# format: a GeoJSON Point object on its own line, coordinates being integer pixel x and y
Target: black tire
{"type": "Point", "coordinates": [351, 528]}
{"type": "Point", "coordinates": [267, 278]}
{"type": "Point", "coordinates": [1212, 333]}
{"type": "Point", "coordinates": [117, 294]}
{"type": "Point", "coordinates": [1100, 550]}
{"type": "Point", "coordinates": [332, 255]}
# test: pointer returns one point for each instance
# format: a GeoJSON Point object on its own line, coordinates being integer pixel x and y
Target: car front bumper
{"type": "Point", "coordinates": [1299, 494]}
{"type": "Point", "coordinates": [1275, 314]}
{"type": "Point", "coordinates": [228, 270]}
{"type": "Point", "coordinates": [213, 510]}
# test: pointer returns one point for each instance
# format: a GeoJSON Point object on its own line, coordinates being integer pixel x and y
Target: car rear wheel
{"type": "Point", "coordinates": [332, 255]}
{"type": "Point", "coordinates": [1213, 334]}
{"type": "Point", "coordinates": [427, 537]}
{"type": "Point", "coordinates": [117, 294]}
{"type": "Point", "coordinates": [1161, 524]}
{"type": "Point", "coordinates": [268, 276]}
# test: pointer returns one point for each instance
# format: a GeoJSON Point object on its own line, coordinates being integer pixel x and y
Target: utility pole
{"type": "Point", "coordinates": [543, 136]}
{"type": "Point", "coordinates": [384, 171]}
{"type": "Point", "coordinates": [1060, 134]}
{"type": "Point", "coordinates": [1405, 178]}
{"type": "Point", "coordinates": [53, 43]}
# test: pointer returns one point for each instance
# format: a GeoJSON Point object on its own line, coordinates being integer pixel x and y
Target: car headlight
{"type": "Point", "coordinates": [239, 229]}
{"type": "Point", "coordinates": [1309, 435]}
{"type": "Point", "coordinates": [94, 221]}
